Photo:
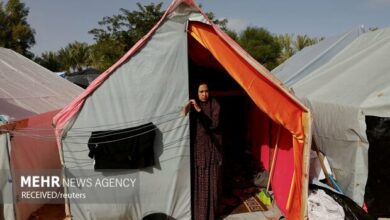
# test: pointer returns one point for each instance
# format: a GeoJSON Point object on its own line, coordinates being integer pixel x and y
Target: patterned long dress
{"type": "Point", "coordinates": [207, 160]}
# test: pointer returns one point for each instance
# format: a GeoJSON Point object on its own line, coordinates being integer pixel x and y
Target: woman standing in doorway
{"type": "Point", "coordinates": [206, 142]}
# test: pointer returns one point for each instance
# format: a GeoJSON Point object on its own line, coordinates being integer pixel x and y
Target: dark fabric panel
{"type": "Point", "coordinates": [129, 148]}
{"type": "Point", "coordinates": [377, 195]}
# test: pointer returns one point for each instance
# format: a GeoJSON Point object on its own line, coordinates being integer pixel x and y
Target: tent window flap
{"type": "Point", "coordinates": [129, 148]}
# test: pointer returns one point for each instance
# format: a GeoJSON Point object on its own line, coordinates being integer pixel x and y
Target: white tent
{"type": "Point", "coordinates": [29, 97]}
{"type": "Point", "coordinates": [27, 89]}
{"type": "Point", "coordinates": [306, 61]}
{"type": "Point", "coordinates": [343, 80]}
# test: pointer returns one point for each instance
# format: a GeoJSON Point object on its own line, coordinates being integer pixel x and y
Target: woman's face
{"type": "Point", "coordinates": [203, 92]}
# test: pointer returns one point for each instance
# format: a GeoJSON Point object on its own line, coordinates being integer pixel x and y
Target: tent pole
{"type": "Point", "coordinates": [306, 122]}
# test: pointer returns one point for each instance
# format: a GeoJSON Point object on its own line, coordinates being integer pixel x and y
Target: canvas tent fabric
{"type": "Point", "coordinates": [311, 58]}
{"type": "Point", "coordinates": [148, 84]}
{"type": "Point", "coordinates": [273, 104]}
{"type": "Point", "coordinates": [30, 96]}
{"type": "Point", "coordinates": [346, 87]}
{"type": "Point", "coordinates": [33, 148]}
{"type": "Point", "coordinates": [27, 88]}
{"type": "Point", "coordinates": [7, 209]}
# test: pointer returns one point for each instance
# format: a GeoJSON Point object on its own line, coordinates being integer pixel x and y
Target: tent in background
{"type": "Point", "coordinates": [344, 80]}
{"type": "Point", "coordinates": [311, 58]}
{"type": "Point", "coordinates": [150, 84]}
{"type": "Point", "coordinates": [29, 97]}
{"type": "Point", "coordinates": [83, 78]}
{"type": "Point", "coordinates": [28, 89]}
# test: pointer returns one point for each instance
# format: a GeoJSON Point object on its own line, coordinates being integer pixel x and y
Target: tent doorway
{"type": "Point", "coordinates": [151, 80]}
{"type": "Point", "coordinates": [377, 188]}
{"type": "Point", "coordinates": [240, 160]}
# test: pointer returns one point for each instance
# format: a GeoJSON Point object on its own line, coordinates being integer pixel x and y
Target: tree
{"type": "Point", "coordinates": [291, 45]}
{"type": "Point", "coordinates": [140, 22]}
{"type": "Point", "coordinates": [285, 42]}
{"type": "Point", "coordinates": [232, 34]}
{"type": "Point", "coordinates": [104, 53]}
{"type": "Point", "coordinates": [261, 45]}
{"type": "Point", "coordinates": [50, 60]}
{"type": "Point", "coordinates": [119, 33]}
{"type": "Point", "coordinates": [80, 54]}
{"type": "Point", "coordinates": [16, 33]}
{"type": "Point", "coordinates": [3, 24]}
{"type": "Point", "coordinates": [222, 23]}
{"type": "Point", "coordinates": [75, 56]}
{"type": "Point", "coordinates": [303, 41]}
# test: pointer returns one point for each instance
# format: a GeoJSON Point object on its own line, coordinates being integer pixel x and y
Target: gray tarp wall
{"type": "Point", "coordinates": [341, 90]}
{"type": "Point", "coordinates": [150, 87]}
{"type": "Point", "coordinates": [28, 89]}
{"type": "Point", "coordinates": [7, 209]}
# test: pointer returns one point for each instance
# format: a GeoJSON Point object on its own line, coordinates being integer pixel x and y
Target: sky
{"type": "Point", "coordinates": [59, 22]}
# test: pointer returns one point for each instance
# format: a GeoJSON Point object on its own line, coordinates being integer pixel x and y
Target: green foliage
{"type": "Point", "coordinates": [261, 45]}
{"type": "Point", "coordinates": [140, 22]}
{"type": "Point", "coordinates": [119, 33]}
{"type": "Point", "coordinates": [222, 23]}
{"type": "Point", "coordinates": [16, 33]}
{"type": "Point", "coordinates": [50, 60]}
{"type": "Point", "coordinates": [291, 45]}
{"type": "Point", "coordinates": [75, 56]}
{"type": "Point", "coordinates": [285, 42]}
{"type": "Point", "coordinates": [105, 53]}
{"type": "Point", "coordinates": [303, 41]}
{"type": "Point", "coordinates": [232, 34]}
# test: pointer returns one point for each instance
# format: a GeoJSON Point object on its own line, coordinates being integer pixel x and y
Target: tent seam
{"type": "Point", "coordinates": [251, 83]}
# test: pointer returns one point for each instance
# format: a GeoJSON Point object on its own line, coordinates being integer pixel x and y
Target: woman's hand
{"type": "Point", "coordinates": [187, 107]}
{"type": "Point", "coordinates": [195, 105]}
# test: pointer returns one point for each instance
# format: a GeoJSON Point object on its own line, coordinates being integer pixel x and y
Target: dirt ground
{"type": "Point", "coordinates": [49, 212]}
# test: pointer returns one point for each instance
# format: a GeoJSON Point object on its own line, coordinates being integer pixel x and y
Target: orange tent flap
{"type": "Point", "coordinates": [276, 104]}
{"type": "Point", "coordinates": [271, 99]}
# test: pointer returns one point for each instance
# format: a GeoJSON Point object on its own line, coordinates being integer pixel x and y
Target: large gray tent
{"type": "Point", "coordinates": [28, 89]}
{"type": "Point", "coordinates": [31, 93]}
{"type": "Point", "coordinates": [342, 80]}
{"type": "Point", "coordinates": [150, 84]}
